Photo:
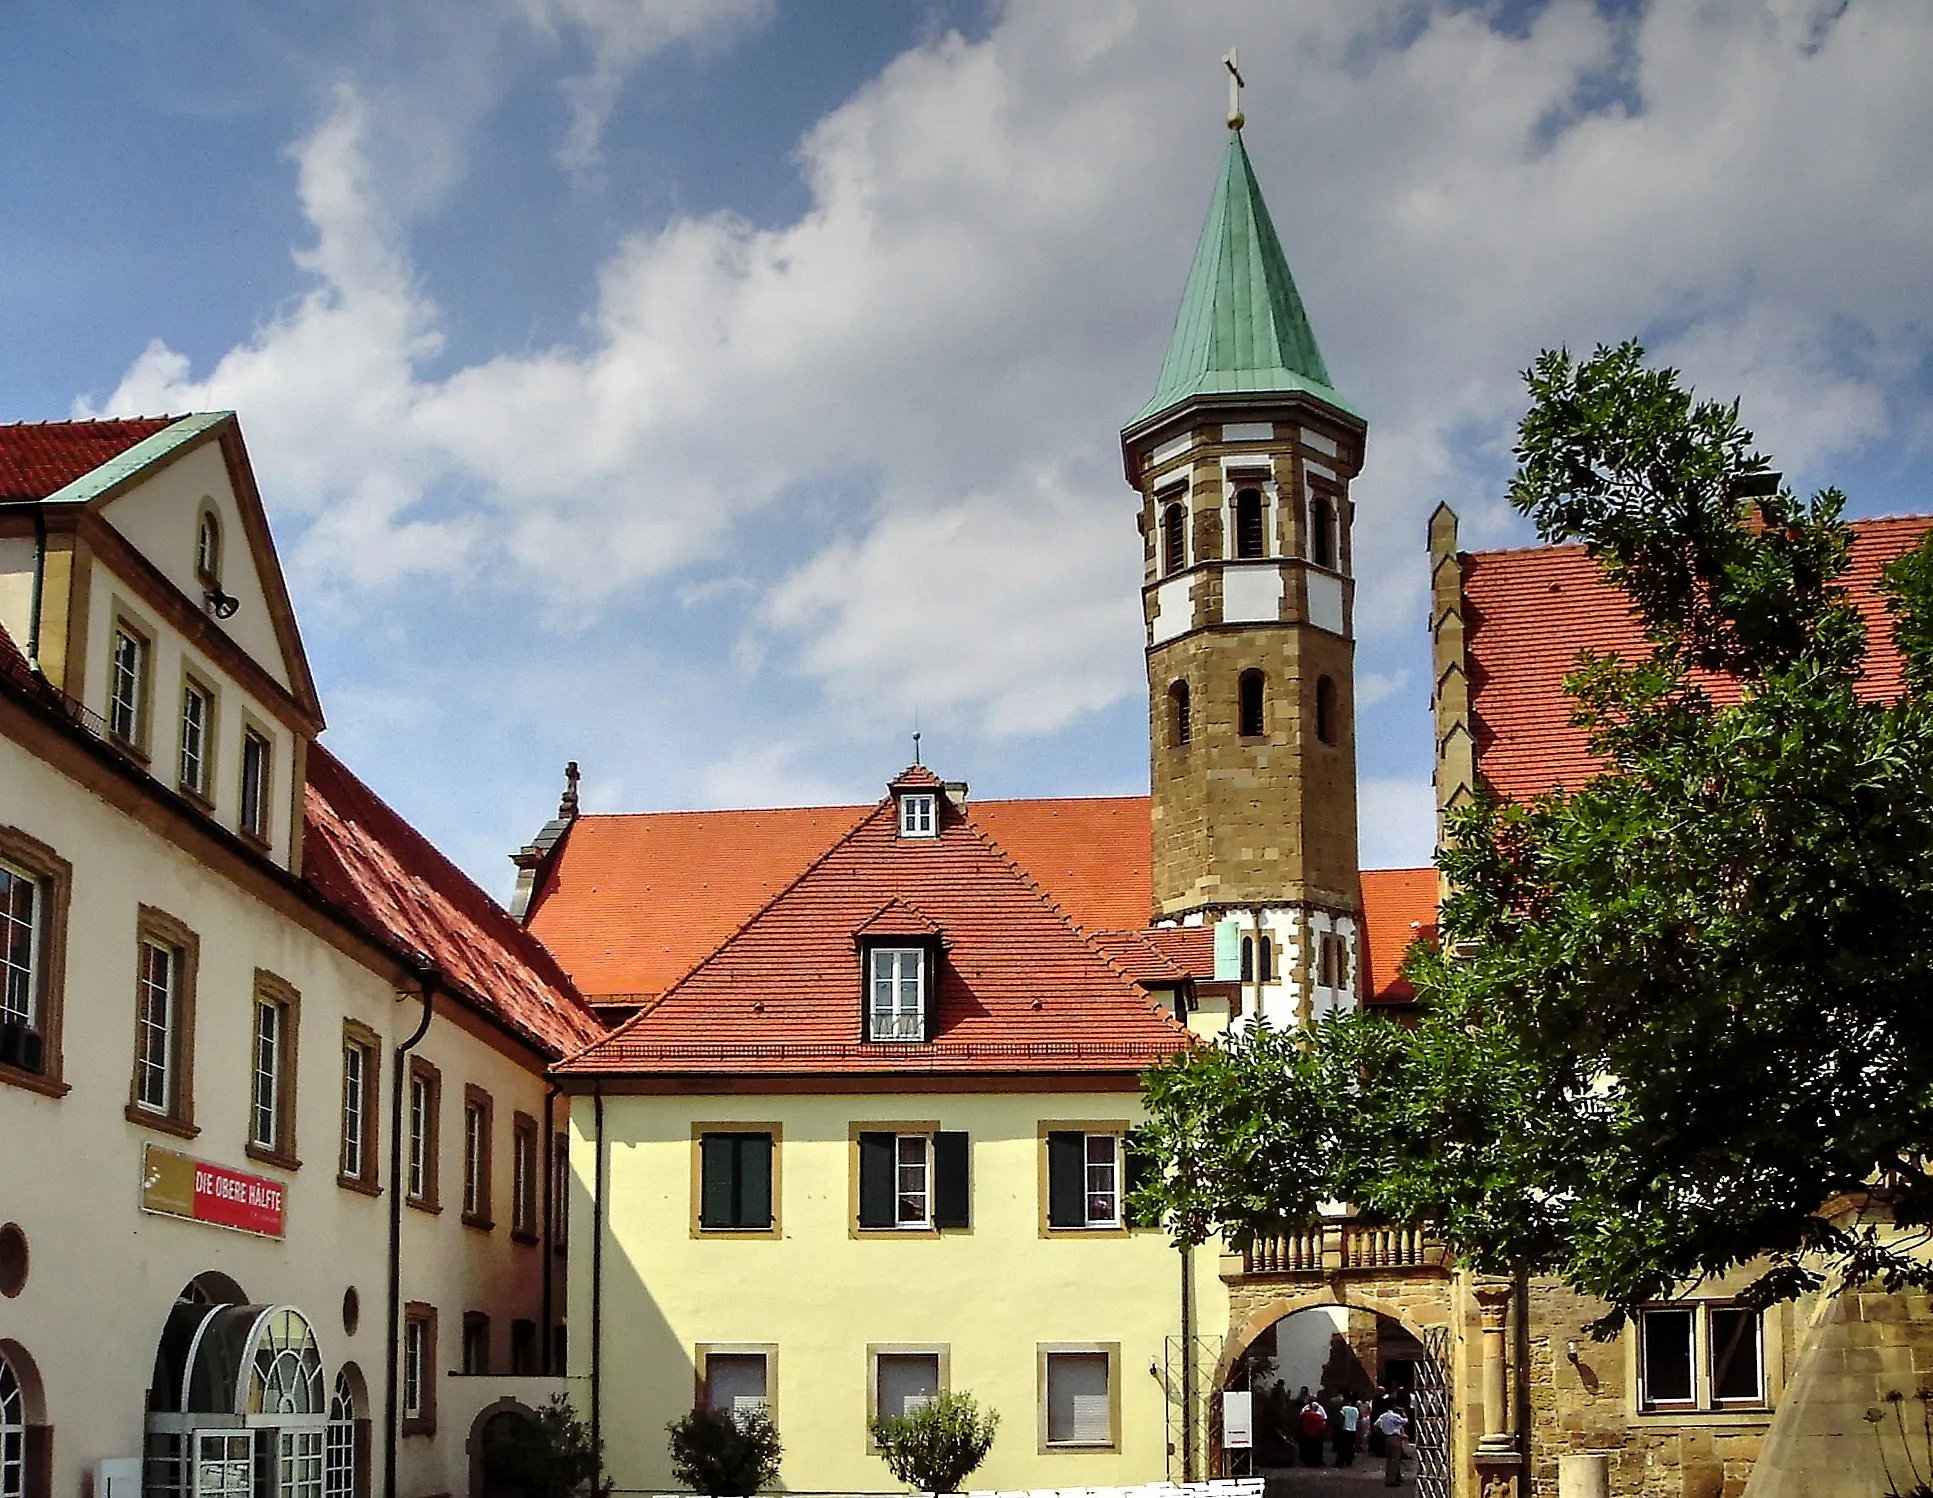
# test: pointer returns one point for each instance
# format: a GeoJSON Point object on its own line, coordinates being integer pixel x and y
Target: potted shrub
{"type": "Point", "coordinates": [933, 1449]}
{"type": "Point", "coordinates": [725, 1454]}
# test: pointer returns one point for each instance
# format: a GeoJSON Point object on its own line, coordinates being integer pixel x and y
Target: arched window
{"type": "Point", "coordinates": [1250, 538]}
{"type": "Point", "coordinates": [1180, 720]}
{"type": "Point", "coordinates": [13, 1433]}
{"type": "Point", "coordinates": [1248, 959]}
{"type": "Point", "coordinates": [1322, 531]}
{"type": "Point", "coordinates": [1174, 538]}
{"type": "Point", "coordinates": [339, 1462]}
{"type": "Point", "coordinates": [1326, 727]}
{"type": "Point", "coordinates": [208, 548]}
{"type": "Point", "coordinates": [1268, 959]}
{"type": "Point", "coordinates": [1251, 719]}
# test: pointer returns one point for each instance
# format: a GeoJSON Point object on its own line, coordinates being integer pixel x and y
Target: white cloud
{"type": "Point", "coordinates": [977, 295]}
{"type": "Point", "coordinates": [1396, 819]}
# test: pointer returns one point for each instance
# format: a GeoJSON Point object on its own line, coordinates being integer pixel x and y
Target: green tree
{"type": "Point", "coordinates": [933, 1449]}
{"type": "Point", "coordinates": [722, 1453]}
{"type": "Point", "coordinates": [1677, 1010]}
{"type": "Point", "coordinates": [549, 1454]}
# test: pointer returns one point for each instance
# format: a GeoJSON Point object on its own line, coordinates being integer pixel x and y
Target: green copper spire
{"type": "Point", "coordinates": [1241, 329]}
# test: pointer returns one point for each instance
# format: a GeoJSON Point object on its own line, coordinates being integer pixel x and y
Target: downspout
{"type": "Point", "coordinates": [1187, 1364]}
{"type": "Point", "coordinates": [550, 1226]}
{"type": "Point", "coordinates": [597, 1293]}
{"type": "Point", "coordinates": [427, 980]}
{"type": "Point", "coordinates": [40, 583]}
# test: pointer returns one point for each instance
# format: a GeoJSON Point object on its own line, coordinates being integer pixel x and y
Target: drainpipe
{"type": "Point", "coordinates": [550, 1227]}
{"type": "Point", "coordinates": [597, 1293]}
{"type": "Point", "coordinates": [426, 977]}
{"type": "Point", "coordinates": [1187, 1364]}
{"type": "Point", "coordinates": [40, 583]}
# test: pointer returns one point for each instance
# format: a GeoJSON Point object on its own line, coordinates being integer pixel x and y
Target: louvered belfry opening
{"type": "Point", "coordinates": [1251, 718]}
{"type": "Point", "coordinates": [1174, 538]}
{"type": "Point", "coordinates": [1250, 539]}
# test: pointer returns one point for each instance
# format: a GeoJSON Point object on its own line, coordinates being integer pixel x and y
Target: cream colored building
{"type": "Point", "coordinates": [219, 951]}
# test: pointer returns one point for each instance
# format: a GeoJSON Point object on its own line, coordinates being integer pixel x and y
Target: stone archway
{"type": "Point", "coordinates": [494, 1465]}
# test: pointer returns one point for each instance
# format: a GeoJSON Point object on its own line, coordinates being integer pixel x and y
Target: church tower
{"type": "Point", "coordinates": [1243, 460]}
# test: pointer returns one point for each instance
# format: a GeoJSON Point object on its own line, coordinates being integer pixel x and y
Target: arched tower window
{"type": "Point", "coordinates": [1322, 530]}
{"type": "Point", "coordinates": [1327, 728]}
{"type": "Point", "coordinates": [1268, 959]}
{"type": "Point", "coordinates": [208, 548]}
{"type": "Point", "coordinates": [1251, 717]}
{"type": "Point", "coordinates": [1174, 538]}
{"type": "Point", "coordinates": [1251, 539]}
{"type": "Point", "coordinates": [1180, 720]}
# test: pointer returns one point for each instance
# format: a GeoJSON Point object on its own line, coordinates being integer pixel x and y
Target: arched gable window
{"type": "Point", "coordinates": [1251, 539]}
{"type": "Point", "coordinates": [208, 548]}
{"type": "Point", "coordinates": [1174, 538]}
{"type": "Point", "coordinates": [1327, 728]}
{"type": "Point", "coordinates": [1180, 720]}
{"type": "Point", "coordinates": [1322, 530]}
{"type": "Point", "coordinates": [1251, 719]}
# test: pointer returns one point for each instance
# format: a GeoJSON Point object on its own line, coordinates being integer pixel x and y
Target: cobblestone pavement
{"type": "Point", "coordinates": [1364, 1480]}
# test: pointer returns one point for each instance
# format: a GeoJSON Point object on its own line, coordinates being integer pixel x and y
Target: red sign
{"type": "Point", "coordinates": [182, 1186]}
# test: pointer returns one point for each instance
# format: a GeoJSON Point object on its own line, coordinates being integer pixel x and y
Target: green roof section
{"type": "Point", "coordinates": [1242, 329]}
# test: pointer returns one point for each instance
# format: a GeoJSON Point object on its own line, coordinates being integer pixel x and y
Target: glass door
{"type": "Point", "coordinates": [224, 1464]}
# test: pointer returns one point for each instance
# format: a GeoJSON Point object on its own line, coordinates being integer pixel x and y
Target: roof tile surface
{"type": "Point", "coordinates": [1530, 613]}
{"type": "Point", "coordinates": [40, 458]}
{"type": "Point", "coordinates": [1399, 910]}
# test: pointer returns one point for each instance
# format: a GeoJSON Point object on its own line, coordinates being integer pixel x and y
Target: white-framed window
{"type": "Point", "coordinates": [13, 1433]}
{"type": "Point", "coordinates": [301, 1470]}
{"type": "Point", "coordinates": [476, 1158]}
{"type": "Point", "coordinates": [127, 683]}
{"type": "Point", "coordinates": [896, 1003]}
{"type": "Point", "coordinates": [197, 711]}
{"type": "Point", "coordinates": [256, 753]}
{"type": "Point", "coordinates": [913, 1181]}
{"type": "Point", "coordinates": [523, 1176]}
{"type": "Point", "coordinates": [416, 1367]}
{"type": "Point", "coordinates": [1700, 1355]}
{"type": "Point", "coordinates": [1103, 1180]}
{"type": "Point", "coordinates": [918, 814]}
{"type": "Point", "coordinates": [422, 1104]}
{"type": "Point", "coordinates": [339, 1466]}
{"type": "Point", "coordinates": [265, 1110]}
{"type": "Point", "coordinates": [1077, 1396]}
{"type": "Point", "coordinates": [208, 548]}
{"type": "Point", "coordinates": [224, 1464]}
{"type": "Point", "coordinates": [355, 1083]}
{"type": "Point", "coordinates": [19, 946]}
{"type": "Point", "coordinates": [157, 1012]}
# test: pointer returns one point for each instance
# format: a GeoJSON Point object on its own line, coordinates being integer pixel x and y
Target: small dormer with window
{"type": "Point", "coordinates": [920, 797]}
{"type": "Point", "coordinates": [900, 949]}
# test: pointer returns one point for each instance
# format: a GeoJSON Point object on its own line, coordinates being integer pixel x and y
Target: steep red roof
{"type": "Point", "coordinates": [1093, 854]}
{"type": "Point", "coordinates": [382, 873]}
{"type": "Point", "coordinates": [39, 458]}
{"type": "Point", "coordinates": [1529, 613]}
{"type": "Point", "coordinates": [1137, 956]}
{"type": "Point", "coordinates": [1399, 910]}
{"type": "Point", "coordinates": [1020, 988]}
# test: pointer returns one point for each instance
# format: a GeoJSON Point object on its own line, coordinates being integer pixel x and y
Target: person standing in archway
{"type": "Point", "coordinates": [1312, 1426]}
{"type": "Point", "coordinates": [1393, 1427]}
{"type": "Point", "coordinates": [1347, 1423]}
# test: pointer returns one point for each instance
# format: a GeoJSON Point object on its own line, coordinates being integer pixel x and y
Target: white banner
{"type": "Point", "coordinates": [1238, 1420]}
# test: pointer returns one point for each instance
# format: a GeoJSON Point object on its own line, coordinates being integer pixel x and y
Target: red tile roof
{"type": "Point", "coordinates": [1020, 988]}
{"type": "Point", "coordinates": [915, 778]}
{"type": "Point", "coordinates": [1093, 854]}
{"type": "Point", "coordinates": [386, 877]}
{"type": "Point", "coordinates": [1136, 955]}
{"type": "Point", "coordinates": [1529, 613]}
{"type": "Point", "coordinates": [1399, 910]}
{"type": "Point", "coordinates": [40, 458]}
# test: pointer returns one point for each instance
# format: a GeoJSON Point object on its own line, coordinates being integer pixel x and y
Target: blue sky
{"type": "Point", "coordinates": [702, 388]}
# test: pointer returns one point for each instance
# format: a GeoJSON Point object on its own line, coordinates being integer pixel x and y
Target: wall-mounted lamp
{"type": "Point", "coordinates": [1570, 1351]}
{"type": "Point", "coordinates": [221, 605]}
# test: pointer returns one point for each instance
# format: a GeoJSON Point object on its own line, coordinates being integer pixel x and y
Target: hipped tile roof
{"type": "Point", "coordinates": [40, 458]}
{"type": "Point", "coordinates": [1020, 989]}
{"type": "Point", "coordinates": [1529, 613]}
{"type": "Point", "coordinates": [388, 878]}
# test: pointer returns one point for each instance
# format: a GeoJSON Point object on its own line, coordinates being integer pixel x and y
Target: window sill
{"type": "Point", "coordinates": [423, 1426]}
{"type": "Point", "coordinates": [256, 840]}
{"type": "Point", "coordinates": [33, 1081]}
{"type": "Point", "coordinates": [161, 1123]}
{"type": "Point", "coordinates": [1077, 1448]}
{"type": "Point", "coordinates": [480, 1223]}
{"type": "Point", "coordinates": [425, 1204]}
{"type": "Point", "coordinates": [1105, 1231]}
{"type": "Point", "coordinates": [701, 1231]}
{"type": "Point", "coordinates": [278, 1158]}
{"type": "Point", "coordinates": [196, 798]}
{"type": "Point", "coordinates": [524, 1236]}
{"type": "Point", "coordinates": [132, 750]}
{"type": "Point", "coordinates": [1756, 1414]}
{"type": "Point", "coordinates": [359, 1185]}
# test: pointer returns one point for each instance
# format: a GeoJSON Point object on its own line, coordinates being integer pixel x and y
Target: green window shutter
{"type": "Point", "coordinates": [876, 1180]}
{"type": "Point", "coordinates": [718, 1168]}
{"type": "Point", "coordinates": [951, 1181]}
{"type": "Point", "coordinates": [1142, 1168]}
{"type": "Point", "coordinates": [930, 992]}
{"type": "Point", "coordinates": [1066, 1179]}
{"type": "Point", "coordinates": [754, 1181]}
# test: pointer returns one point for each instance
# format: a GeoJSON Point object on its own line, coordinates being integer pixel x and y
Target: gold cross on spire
{"type": "Point", "coordinates": [1236, 83]}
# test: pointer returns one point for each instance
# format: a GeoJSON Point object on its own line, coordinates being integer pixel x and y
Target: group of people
{"type": "Point", "coordinates": [1343, 1422]}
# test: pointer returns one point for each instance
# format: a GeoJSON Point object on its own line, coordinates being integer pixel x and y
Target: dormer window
{"type": "Point", "coordinates": [919, 814]}
{"type": "Point", "coordinates": [208, 548]}
{"type": "Point", "coordinates": [896, 994]}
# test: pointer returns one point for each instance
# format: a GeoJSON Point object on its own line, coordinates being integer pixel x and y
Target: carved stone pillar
{"type": "Point", "coordinates": [1498, 1461]}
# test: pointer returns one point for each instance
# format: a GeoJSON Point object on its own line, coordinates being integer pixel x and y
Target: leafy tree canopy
{"type": "Point", "coordinates": [1680, 1010]}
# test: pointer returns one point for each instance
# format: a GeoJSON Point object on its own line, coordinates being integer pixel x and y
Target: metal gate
{"type": "Point", "coordinates": [1430, 1415]}
{"type": "Point", "coordinates": [1187, 1380]}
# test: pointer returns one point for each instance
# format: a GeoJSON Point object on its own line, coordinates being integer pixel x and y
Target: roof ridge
{"type": "Point", "coordinates": [1074, 927]}
{"type": "Point", "coordinates": [866, 807]}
